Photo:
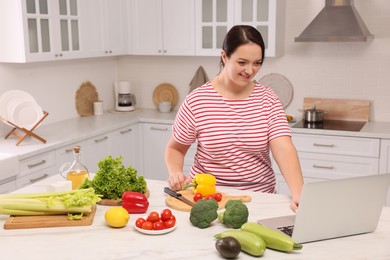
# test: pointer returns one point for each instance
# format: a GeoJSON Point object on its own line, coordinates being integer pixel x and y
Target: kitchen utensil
{"type": "Point", "coordinates": [313, 115]}
{"type": "Point", "coordinates": [21, 222]}
{"type": "Point", "coordinates": [85, 96]}
{"type": "Point", "coordinates": [165, 92]}
{"type": "Point", "coordinates": [174, 203]}
{"type": "Point", "coordinates": [178, 196]}
{"type": "Point", "coordinates": [280, 85]}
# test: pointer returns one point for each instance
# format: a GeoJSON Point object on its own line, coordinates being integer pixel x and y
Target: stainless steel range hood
{"type": "Point", "coordinates": [338, 21]}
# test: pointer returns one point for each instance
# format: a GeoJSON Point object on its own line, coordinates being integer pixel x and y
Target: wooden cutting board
{"type": "Point", "coordinates": [340, 109]}
{"type": "Point", "coordinates": [182, 206]}
{"type": "Point", "coordinates": [22, 222]}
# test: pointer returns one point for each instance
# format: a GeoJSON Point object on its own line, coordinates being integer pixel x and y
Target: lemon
{"type": "Point", "coordinates": [116, 217]}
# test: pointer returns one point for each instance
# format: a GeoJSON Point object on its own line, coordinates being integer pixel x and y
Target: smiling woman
{"type": "Point", "coordinates": [236, 122]}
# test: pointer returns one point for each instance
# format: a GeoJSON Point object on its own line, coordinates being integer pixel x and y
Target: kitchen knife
{"type": "Point", "coordinates": [178, 196]}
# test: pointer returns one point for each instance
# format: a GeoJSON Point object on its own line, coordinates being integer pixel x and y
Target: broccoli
{"type": "Point", "coordinates": [204, 212]}
{"type": "Point", "coordinates": [236, 213]}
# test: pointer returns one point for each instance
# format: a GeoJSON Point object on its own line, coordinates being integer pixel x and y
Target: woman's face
{"type": "Point", "coordinates": [243, 64]}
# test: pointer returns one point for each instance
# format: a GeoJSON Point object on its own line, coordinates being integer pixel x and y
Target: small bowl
{"type": "Point", "coordinates": [164, 107]}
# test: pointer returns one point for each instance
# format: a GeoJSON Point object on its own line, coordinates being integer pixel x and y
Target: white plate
{"type": "Point", "coordinates": [11, 97]}
{"type": "Point", "coordinates": [26, 114]}
{"type": "Point", "coordinates": [155, 232]}
{"type": "Point", "coordinates": [280, 85]}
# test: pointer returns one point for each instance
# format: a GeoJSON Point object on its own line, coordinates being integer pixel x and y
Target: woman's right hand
{"type": "Point", "coordinates": [177, 180]}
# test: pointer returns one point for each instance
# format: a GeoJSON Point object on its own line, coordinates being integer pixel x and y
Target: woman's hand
{"type": "Point", "coordinates": [294, 205]}
{"type": "Point", "coordinates": [177, 180]}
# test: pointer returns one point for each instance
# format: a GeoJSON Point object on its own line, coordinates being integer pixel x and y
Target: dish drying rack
{"type": "Point", "coordinates": [22, 133]}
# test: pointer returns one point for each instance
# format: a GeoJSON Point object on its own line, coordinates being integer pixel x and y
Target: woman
{"type": "Point", "coordinates": [235, 121]}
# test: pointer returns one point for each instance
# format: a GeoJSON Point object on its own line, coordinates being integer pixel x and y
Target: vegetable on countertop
{"type": "Point", "coordinates": [250, 242]}
{"type": "Point", "coordinates": [134, 202]}
{"type": "Point", "coordinates": [235, 215]}
{"type": "Point", "coordinates": [228, 247]}
{"type": "Point", "coordinates": [203, 183]}
{"type": "Point", "coordinates": [113, 179]}
{"type": "Point", "coordinates": [272, 238]}
{"type": "Point", "coordinates": [49, 203]}
{"type": "Point", "coordinates": [203, 213]}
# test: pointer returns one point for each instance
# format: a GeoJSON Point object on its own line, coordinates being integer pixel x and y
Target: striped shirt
{"type": "Point", "coordinates": [233, 135]}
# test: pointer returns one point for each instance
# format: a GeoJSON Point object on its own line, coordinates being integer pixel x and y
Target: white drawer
{"type": "Point", "coordinates": [7, 187]}
{"type": "Point", "coordinates": [354, 146]}
{"type": "Point", "coordinates": [37, 163]}
{"type": "Point", "coordinates": [336, 166]}
{"type": "Point", "coordinates": [35, 177]}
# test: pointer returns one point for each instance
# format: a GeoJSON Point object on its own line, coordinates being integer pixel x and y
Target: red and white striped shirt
{"type": "Point", "coordinates": [233, 135]}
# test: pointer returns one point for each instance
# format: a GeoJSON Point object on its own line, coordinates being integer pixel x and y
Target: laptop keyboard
{"type": "Point", "coordinates": [288, 230]}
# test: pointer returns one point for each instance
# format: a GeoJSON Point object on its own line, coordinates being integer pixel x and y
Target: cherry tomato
{"type": "Point", "coordinates": [169, 223]}
{"type": "Point", "coordinates": [158, 225]}
{"type": "Point", "coordinates": [153, 216]}
{"type": "Point", "coordinates": [139, 222]}
{"type": "Point", "coordinates": [166, 214]}
{"type": "Point", "coordinates": [147, 225]}
{"type": "Point", "coordinates": [217, 196]}
{"type": "Point", "coordinates": [197, 197]}
{"type": "Point", "coordinates": [173, 218]}
{"type": "Point", "coordinates": [209, 197]}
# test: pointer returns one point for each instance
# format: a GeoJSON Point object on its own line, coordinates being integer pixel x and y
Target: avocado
{"type": "Point", "coordinates": [228, 247]}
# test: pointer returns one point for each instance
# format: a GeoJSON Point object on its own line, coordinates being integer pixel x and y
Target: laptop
{"type": "Point", "coordinates": [335, 208]}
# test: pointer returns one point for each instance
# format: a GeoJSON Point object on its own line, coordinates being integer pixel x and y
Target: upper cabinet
{"type": "Point", "coordinates": [215, 17]}
{"type": "Point", "coordinates": [162, 27]}
{"type": "Point", "coordinates": [103, 27]}
{"type": "Point", "coordinates": [39, 30]}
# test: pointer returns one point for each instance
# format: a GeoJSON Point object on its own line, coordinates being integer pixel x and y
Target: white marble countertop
{"type": "Point", "coordinates": [99, 241]}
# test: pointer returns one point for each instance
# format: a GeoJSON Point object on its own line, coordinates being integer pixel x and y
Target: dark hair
{"type": "Point", "coordinates": [239, 35]}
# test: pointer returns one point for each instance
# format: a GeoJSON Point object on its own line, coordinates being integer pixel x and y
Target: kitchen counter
{"type": "Point", "coordinates": [99, 241]}
{"type": "Point", "coordinates": [72, 130]}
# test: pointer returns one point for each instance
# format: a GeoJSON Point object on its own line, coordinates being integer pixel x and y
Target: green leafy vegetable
{"type": "Point", "coordinates": [203, 213]}
{"type": "Point", "coordinates": [235, 215]}
{"type": "Point", "coordinates": [113, 178]}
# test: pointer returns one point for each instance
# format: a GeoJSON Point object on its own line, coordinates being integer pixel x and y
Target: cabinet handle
{"type": "Point", "coordinates": [36, 164]}
{"type": "Point", "coordinates": [125, 131]}
{"type": "Point", "coordinates": [323, 167]}
{"type": "Point", "coordinates": [158, 128]}
{"type": "Point", "coordinates": [39, 178]}
{"type": "Point", "coordinates": [101, 139]}
{"type": "Point", "coordinates": [324, 145]}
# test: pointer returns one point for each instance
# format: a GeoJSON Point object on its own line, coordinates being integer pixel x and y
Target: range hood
{"type": "Point", "coordinates": [338, 21]}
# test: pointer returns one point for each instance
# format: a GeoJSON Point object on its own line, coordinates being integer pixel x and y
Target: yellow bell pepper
{"type": "Point", "coordinates": [203, 183]}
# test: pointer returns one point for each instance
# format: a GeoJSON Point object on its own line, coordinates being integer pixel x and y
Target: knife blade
{"type": "Point", "coordinates": [178, 196]}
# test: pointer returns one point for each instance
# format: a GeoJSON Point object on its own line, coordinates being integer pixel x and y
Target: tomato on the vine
{"type": "Point", "coordinates": [153, 216]}
{"type": "Point", "coordinates": [197, 197]}
{"type": "Point", "coordinates": [139, 222]}
{"type": "Point", "coordinates": [217, 196]}
{"type": "Point", "coordinates": [166, 214]}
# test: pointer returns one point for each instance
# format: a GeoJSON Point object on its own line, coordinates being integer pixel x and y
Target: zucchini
{"type": "Point", "coordinates": [273, 239]}
{"type": "Point", "coordinates": [250, 242]}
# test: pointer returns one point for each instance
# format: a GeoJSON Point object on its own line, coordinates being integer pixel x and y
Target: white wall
{"type": "Point", "coordinates": [327, 70]}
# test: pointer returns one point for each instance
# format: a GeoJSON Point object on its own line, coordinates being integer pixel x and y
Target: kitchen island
{"type": "Point", "coordinates": [99, 241]}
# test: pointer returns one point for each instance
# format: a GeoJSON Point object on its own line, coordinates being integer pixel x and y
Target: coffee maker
{"type": "Point", "coordinates": [124, 99]}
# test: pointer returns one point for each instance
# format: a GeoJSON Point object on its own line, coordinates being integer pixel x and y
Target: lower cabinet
{"type": "Point", "coordinates": [384, 165]}
{"type": "Point", "coordinates": [125, 142]}
{"type": "Point", "coordinates": [36, 168]}
{"type": "Point", "coordinates": [154, 140]}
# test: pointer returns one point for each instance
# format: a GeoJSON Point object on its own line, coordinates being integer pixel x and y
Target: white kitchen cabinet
{"type": "Point", "coordinates": [7, 187]}
{"type": "Point", "coordinates": [103, 30]}
{"type": "Point", "coordinates": [384, 162]}
{"type": "Point", "coordinates": [96, 148]}
{"type": "Point", "coordinates": [65, 154]}
{"type": "Point", "coordinates": [36, 168]}
{"type": "Point", "coordinates": [154, 140]}
{"type": "Point", "coordinates": [39, 30]}
{"type": "Point", "coordinates": [125, 142]}
{"type": "Point", "coordinates": [162, 27]}
{"type": "Point", "coordinates": [325, 157]}
{"type": "Point", "coordinates": [214, 18]}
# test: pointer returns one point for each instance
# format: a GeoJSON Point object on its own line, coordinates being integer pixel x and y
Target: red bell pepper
{"type": "Point", "coordinates": [134, 202]}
